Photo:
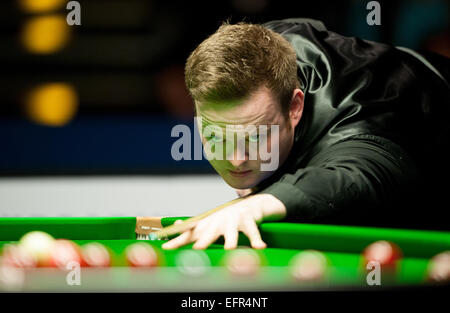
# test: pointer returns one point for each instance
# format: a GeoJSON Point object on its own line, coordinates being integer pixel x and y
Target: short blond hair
{"type": "Point", "coordinates": [238, 59]}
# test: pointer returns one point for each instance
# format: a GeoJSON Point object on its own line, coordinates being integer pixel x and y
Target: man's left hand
{"type": "Point", "coordinates": [243, 216]}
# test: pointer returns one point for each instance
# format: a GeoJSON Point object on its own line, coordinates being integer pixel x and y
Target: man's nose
{"type": "Point", "coordinates": [239, 158]}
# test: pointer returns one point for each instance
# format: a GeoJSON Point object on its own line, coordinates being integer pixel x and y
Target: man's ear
{"type": "Point", "coordinates": [296, 107]}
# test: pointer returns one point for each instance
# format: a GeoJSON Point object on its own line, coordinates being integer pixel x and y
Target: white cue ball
{"type": "Point", "coordinates": [38, 244]}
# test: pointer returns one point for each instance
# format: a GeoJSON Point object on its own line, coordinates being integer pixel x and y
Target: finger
{"type": "Point", "coordinates": [231, 235]}
{"type": "Point", "coordinates": [189, 227]}
{"type": "Point", "coordinates": [207, 238]}
{"type": "Point", "coordinates": [250, 229]}
{"type": "Point", "coordinates": [179, 241]}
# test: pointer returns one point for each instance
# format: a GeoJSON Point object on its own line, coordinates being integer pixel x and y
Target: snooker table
{"type": "Point", "coordinates": [342, 245]}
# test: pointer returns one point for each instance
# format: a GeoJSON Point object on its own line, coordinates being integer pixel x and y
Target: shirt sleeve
{"type": "Point", "coordinates": [357, 175]}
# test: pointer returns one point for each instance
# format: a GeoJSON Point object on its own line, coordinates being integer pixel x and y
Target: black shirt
{"type": "Point", "coordinates": [372, 138]}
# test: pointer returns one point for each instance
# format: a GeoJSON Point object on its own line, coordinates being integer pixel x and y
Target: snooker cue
{"type": "Point", "coordinates": [190, 222]}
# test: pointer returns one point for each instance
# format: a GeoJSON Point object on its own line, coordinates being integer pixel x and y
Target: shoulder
{"type": "Point", "coordinates": [293, 24]}
{"type": "Point", "coordinates": [363, 147]}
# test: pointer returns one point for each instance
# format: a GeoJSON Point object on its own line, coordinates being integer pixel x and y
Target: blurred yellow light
{"type": "Point", "coordinates": [53, 104]}
{"type": "Point", "coordinates": [39, 6]}
{"type": "Point", "coordinates": [45, 34]}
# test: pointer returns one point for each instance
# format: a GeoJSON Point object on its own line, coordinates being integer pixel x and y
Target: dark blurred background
{"type": "Point", "coordinates": [102, 97]}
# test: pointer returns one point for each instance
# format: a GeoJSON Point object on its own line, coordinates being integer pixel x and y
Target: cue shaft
{"type": "Point", "coordinates": [190, 222]}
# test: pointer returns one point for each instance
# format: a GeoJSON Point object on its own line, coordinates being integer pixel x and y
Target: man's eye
{"type": "Point", "coordinates": [215, 139]}
{"type": "Point", "coordinates": [253, 138]}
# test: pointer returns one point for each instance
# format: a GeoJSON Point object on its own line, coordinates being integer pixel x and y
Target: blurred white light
{"type": "Point", "coordinates": [192, 262]}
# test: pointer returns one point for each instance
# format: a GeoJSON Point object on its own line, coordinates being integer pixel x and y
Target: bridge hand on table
{"type": "Point", "coordinates": [228, 222]}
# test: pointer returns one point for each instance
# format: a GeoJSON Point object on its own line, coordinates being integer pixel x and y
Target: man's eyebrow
{"type": "Point", "coordinates": [207, 122]}
{"type": "Point", "coordinates": [214, 130]}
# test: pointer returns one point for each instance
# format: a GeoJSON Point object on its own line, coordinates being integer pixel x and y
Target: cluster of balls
{"type": "Point", "coordinates": [40, 249]}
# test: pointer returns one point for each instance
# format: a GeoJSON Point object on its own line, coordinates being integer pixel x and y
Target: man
{"type": "Point", "coordinates": [359, 124]}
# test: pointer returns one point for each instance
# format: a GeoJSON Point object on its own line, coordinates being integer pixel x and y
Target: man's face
{"type": "Point", "coordinates": [243, 119]}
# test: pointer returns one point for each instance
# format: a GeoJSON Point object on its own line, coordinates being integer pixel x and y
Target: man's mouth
{"type": "Point", "coordinates": [240, 173]}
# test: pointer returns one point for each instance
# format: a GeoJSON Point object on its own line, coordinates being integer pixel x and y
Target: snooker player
{"type": "Point", "coordinates": [360, 125]}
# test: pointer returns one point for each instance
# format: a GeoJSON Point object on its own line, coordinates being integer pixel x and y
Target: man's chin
{"type": "Point", "coordinates": [240, 184]}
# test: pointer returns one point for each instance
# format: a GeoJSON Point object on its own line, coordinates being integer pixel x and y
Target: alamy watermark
{"type": "Point", "coordinates": [73, 277]}
{"type": "Point", "coordinates": [373, 277]}
{"type": "Point", "coordinates": [232, 142]}
{"type": "Point", "coordinates": [74, 15]}
{"type": "Point", "coordinates": [374, 16]}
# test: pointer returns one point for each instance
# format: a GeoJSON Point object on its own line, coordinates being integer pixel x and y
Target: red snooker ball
{"type": "Point", "coordinates": [17, 256]}
{"type": "Point", "coordinates": [309, 265]}
{"type": "Point", "coordinates": [94, 254]}
{"type": "Point", "coordinates": [243, 262]}
{"type": "Point", "coordinates": [384, 252]}
{"type": "Point", "coordinates": [64, 252]}
{"type": "Point", "coordinates": [141, 255]}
